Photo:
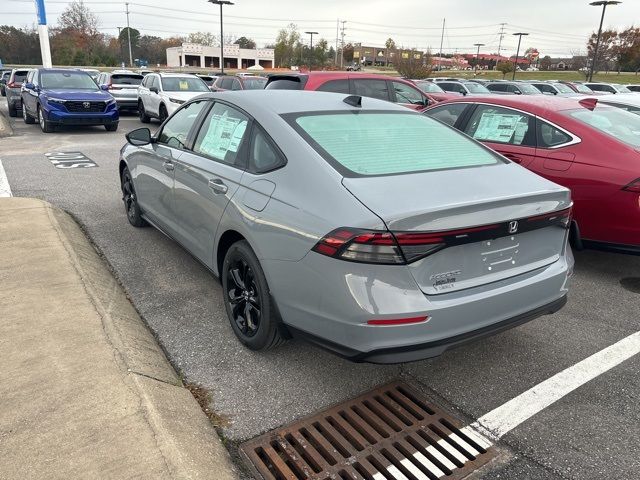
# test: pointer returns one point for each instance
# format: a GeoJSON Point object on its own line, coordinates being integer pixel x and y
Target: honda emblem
{"type": "Point", "coordinates": [86, 104]}
{"type": "Point", "coordinates": [513, 226]}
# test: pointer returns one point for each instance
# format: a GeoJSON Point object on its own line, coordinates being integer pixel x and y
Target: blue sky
{"type": "Point", "coordinates": [556, 27]}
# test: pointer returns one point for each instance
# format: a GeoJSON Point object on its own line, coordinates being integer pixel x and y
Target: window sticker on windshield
{"type": "Point", "coordinates": [498, 127]}
{"type": "Point", "coordinates": [224, 135]}
{"type": "Point", "coordinates": [184, 85]}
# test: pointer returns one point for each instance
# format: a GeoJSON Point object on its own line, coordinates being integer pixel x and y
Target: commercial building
{"type": "Point", "coordinates": [383, 56]}
{"type": "Point", "coordinates": [196, 55]}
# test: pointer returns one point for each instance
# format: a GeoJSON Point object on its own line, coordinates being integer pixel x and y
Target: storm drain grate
{"type": "Point", "coordinates": [389, 433]}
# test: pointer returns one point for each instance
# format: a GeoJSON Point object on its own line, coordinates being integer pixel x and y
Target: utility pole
{"type": "Point", "coordinates": [311, 49]}
{"type": "Point", "coordinates": [342, 46]}
{"type": "Point", "coordinates": [119, 43]}
{"type": "Point", "coordinates": [478, 55]}
{"type": "Point", "coordinates": [500, 42]}
{"type": "Point", "coordinates": [595, 51]}
{"type": "Point", "coordinates": [519, 35]}
{"type": "Point", "coordinates": [129, 37]}
{"type": "Point", "coordinates": [441, 41]}
{"type": "Point", "coordinates": [335, 61]}
{"type": "Point", "coordinates": [221, 3]}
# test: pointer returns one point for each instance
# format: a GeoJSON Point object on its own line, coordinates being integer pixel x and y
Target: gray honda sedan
{"type": "Point", "coordinates": [377, 232]}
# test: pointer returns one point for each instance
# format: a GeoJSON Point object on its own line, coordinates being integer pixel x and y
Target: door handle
{"type": "Point", "coordinates": [513, 157]}
{"type": "Point", "coordinates": [218, 186]}
{"type": "Point", "coordinates": [169, 166]}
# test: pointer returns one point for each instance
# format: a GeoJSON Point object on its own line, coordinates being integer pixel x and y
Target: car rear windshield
{"type": "Point", "coordinates": [67, 81]}
{"type": "Point", "coordinates": [615, 122]}
{"type": "Point", "coordinates": [387, 143]}
{"type": "Point", "coordinates": [257, 83]}
{"type": "Point", "coordinates": [20, 76]}
{"type": "Point", "coordinates": [290, 83]}
{"type": "Point", "coordinates": [476, 88]}
{"type": "Point", "coordinates": [183, 84]}
{"type": "Point", "coordinates": [126, 79]}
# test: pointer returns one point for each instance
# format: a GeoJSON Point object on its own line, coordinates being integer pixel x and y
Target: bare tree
{"type": "Point", "coordinates": [79, 18]}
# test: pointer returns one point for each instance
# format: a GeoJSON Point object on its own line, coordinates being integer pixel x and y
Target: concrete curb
{"type": "Point", "coordinates": [5, 126]}
{"type": "Point", "coordinates": [188, 444]}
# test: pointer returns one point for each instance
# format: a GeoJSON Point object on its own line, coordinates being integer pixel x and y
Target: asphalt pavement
{"type": "Point", "coordinates": [590, 433]}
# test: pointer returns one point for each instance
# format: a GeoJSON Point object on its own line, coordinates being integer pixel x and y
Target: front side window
{"type": "Point", "coordinates": [562, 88]}
{"type": "Point", "coordinates": [528, 89]}
{"type": "Point", "coordinates": [176, 131]}
{"type": "Point", "coordinates": [222, 134]}
{"type": "Point", "coordinates": [622, 89]}
{"type": "Point", "coordinates": [371, 88]}
{"type": "Point", "coordinates": [452, 87]}
{"type": "Point", "coordinates": [67, 81]}
{"type": "Point", "coordinates": [184, 84]}
{"type": "Point", "coordinates": [407, 94]}
{"type": "Point", "coordinates": [448, 114]}
{"type": "Point", "coordinates": [429, 87]}
{"type": "Point", "coordinates": [615, 122]}
{"type": "Point", "coordinates": [501, 125]}
{"type": "Point", "coordinates": [583, 88]}
{"type": "Point", "coordinates": [545, 88]}
{"type": "Point", "coordinates": [404, 143]}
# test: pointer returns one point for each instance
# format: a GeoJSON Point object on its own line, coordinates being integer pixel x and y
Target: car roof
{"type": "Point", "coordinates": [336, 75]}
{"type": "Point", "coordinates": [279, 102]}
{"type": "Point", "coordinates": [531, 103]}
{"type": "Point", "coordinates": [622, 98]}
{"type": "Point", "coordinates": [174, 74]}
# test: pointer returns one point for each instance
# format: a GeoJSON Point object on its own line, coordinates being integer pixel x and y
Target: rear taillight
{"type": "Point", "coordinates": [12, 85]}
{"type": "Point", "coordinates": [369, 246]}
{"type": "Point", "coordinates": [561, 218]}
{"type": "Point", "coordinates": [633, 186]}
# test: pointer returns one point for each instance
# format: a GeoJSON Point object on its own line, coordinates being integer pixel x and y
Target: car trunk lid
{"type": "Point", "coordinates": [489, 223]}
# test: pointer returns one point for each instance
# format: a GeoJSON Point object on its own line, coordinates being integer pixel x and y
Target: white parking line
{"type": "Point", "coordinates": [489, 428]}
{"type": "Point", "coordinates": [505, 418]}
{"type": "Point", "coordinates": [5, 189]}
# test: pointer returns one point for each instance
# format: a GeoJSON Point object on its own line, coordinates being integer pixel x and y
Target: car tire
{"type": "Point", "coordinates": [163, 113]}
{"type": "Point", "coordinates": [134, 213]}
{"type": "Point", "coordinates": [3, 92]}
{"type": "Point", "coordinates": [247, 300]}
{"type": "Point", "coordinates": [13, 111]}
{"type": "Point", "coordinates": [144, 118]}
{"type": "Point", "coordinates": [28, 119]}
{"type": "Point", "coordinates": [112, 127]}
{"type": "Point", "coordinates": [45, 125]}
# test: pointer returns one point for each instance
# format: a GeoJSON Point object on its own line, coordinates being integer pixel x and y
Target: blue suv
{"type": "Point", "coordinates": [66, 97]}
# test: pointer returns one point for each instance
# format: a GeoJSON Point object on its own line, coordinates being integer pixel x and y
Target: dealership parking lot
{"type": "Point", "coordinates": [592, 432]}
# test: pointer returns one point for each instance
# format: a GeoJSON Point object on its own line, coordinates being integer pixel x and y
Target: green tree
{"type": "Point", "coordinates": [504, 67]}
{"type": "Point", "coordinates": [545, 62]}
{"type": "Point", "coordinates": [244, 42]}
{"type": "Point", "coordinates": [390, 44]}
{"type": "Point", "coordinates": [288, 47]}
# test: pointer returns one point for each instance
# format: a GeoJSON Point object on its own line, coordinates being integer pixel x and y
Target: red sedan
{"type": "Point", "coordinates": [373, 85]}
{"type": "Point", "coordinates": [591, 148]}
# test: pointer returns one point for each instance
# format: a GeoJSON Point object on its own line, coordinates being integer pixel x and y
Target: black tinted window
{"type": "Point", "coordinates": [20, 77]}
{"type": "Point", "coordinates": [496, 87]}
{"type": "Point", "coordinates": [126, 79]}
{"type": "Point", "coordinates": [371, 88]}
{"type": "Point", "coordinates": [264, 156]}
{"type": "Point", "coordinates": [448, 114]}
{"type": "Point", "coordinates": [336, 86]}
{"type": "Point", "coordinates": [285, 84]}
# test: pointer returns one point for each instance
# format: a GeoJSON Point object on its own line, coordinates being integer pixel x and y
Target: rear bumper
{"type": "Point", "coordinates": [127, 102]}
{"type": "Point", "coordinates": [412, 353]}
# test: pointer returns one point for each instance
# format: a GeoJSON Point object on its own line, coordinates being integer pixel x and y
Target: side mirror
{"type": "Point", "coordinates": [464, 93]}
{"type": "Point", "coordinates": [518, 92]}
{"type": "Point", "coordinates": [139, 137]}
{"type": "Point", "coordinates": [153, 89]}
{"type": "Point", "coordinates": [29, 86]}
{"type": "Point", "coordinates": [104, 87]}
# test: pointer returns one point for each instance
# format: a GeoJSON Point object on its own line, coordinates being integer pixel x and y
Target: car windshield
{"type": "Point", "coordinates": [526, 88]}
{"type": "Point", "coordinates": [403, 144]}
{"type": "Point", "coordinates": [621, 89]}
{"type": "Point", "coordinates": [429, 87]}
{"type": "Point", "coordinates": [583, 88]}
{"type": "Point", "coordinates": [256, 83]}
{"type": "Point", "coordinates": [67, 81]}
{"type": "Point", "coordinates": [562, 88]}
{"type": "Point", "coordinates": [126, 79]}
{"type": "Point", "coordinates": [476, 88]}
{"type": "Point", "coordinates": [183, 84]}
{"type": "Point", "coordinates": [615, 122]}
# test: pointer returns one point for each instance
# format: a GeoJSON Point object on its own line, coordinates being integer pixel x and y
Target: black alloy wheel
{"type": "Point", "coordinates": [134, 214]}
{"type": "Point", "coordinates": [247, 300]}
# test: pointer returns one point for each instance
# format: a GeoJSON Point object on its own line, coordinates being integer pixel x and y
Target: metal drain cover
{"type": "Point", "coordinates": [390, 433]}
{"type": "Point", "coordinates": [631, 283]}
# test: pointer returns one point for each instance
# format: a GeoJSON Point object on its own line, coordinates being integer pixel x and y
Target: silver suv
{"type": "Point", "coordinates": [12, 90]}
{"type": "Point", "coordinates": [123, 85]}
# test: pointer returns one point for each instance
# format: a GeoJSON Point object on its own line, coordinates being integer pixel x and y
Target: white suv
{"type": "Point", "coordinates": [160, 94]}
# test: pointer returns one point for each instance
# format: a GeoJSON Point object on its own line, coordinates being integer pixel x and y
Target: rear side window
{"type": "Point", "coordinates": [335, 86]}
{"type": "Point", "coordinates": [371, 88]}
{"type": "Point", "coordinates": [291, 83]}
{"type": "Point", "coordinates": [123, 79]}
{"type": "Point", "coordinates": [497, 87]}
{"type": "Point", "coordinates": [448, 114]}
{"type": "Point", "coordinates": [501, 125]}
{"type": "Point", "coordinates": [221, 135]}
{"type": "Point", "coordinates": [404, 143]}
{"type": "Point", "coordinates": [550, 136]}
{"type": "Point", "coordinates": [263, 156]}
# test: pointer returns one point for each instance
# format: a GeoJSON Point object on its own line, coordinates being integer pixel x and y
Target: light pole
{"type": "Point", "coordinates": [595, 51]}
{"type": "Point", "coordinates": [221, 3]}
{"type": "Point", "coordinates": [129, 37]}
{"type": "Point", "coordinates": [478, 54]}
{"type": "Point", "coordinates": [312, 34]}
{"type": "Point", "coordinates": [515, 66]}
